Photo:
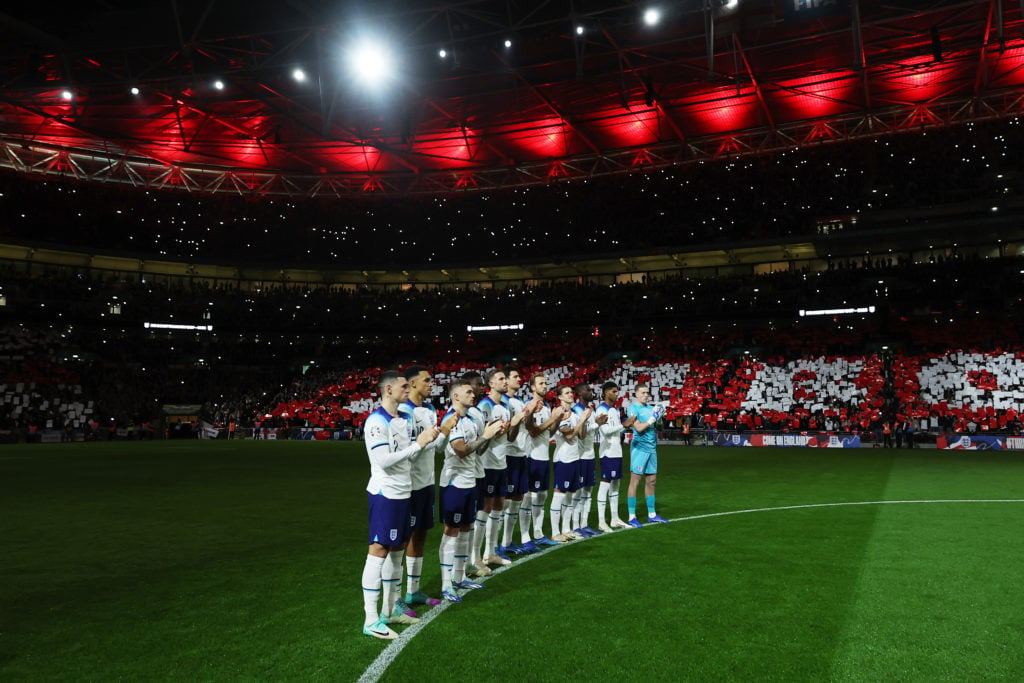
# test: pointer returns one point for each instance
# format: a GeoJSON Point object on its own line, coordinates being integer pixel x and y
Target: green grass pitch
{"type": "Point", "coordinates": [241, 560]}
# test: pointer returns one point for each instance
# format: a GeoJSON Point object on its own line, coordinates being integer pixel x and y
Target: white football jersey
{"type": "Point", "coordinates": [481, 423]}
{"type": "Point", "coordinates": [586, 444]}
{"type": "Point", "coordinates": [390, 446]}
{"type": "Point", "coordinates": [422, 418]}
{"type": "Point", "coordinates": [540, 444]}
{"type": "Point", "coordinates": [567, 451]}
{"type": "Point", "coordinates": [456, 471]}
{"type": "Point", "coordinates": [494, 454]}
{"type": "Point", "coordinates": [610, 445]}
{"type": "Point", "coordinates": [522, 443]}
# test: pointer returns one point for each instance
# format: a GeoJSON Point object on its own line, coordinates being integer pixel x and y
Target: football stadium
{"type": "Point", "coordinates": [436, 341]}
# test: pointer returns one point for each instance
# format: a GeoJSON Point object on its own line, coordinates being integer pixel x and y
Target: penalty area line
{"type": "Point", "coordinates": [390, 653]}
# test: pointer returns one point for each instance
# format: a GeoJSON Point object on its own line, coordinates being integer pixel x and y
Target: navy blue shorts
{"type": "Point", "coordinates": [389, 520]}
{"type": "Point", "coordinates": [497, 481]}
{"type": "Point", "coordinates": [611, 468]}
{"type": "Point", "coordinates": [540, 475]}
{"type": "Point", "coordinates": [567, 476]}
{"type": "Point", "coordinates": [421, 509]}
{"type": "Point", "coordinates": [458, 506]}
{"type": "Point", "coordinates": [518, 476]}
{"type": "Point", "coordinates": [481, 491]}
{"type": "Point", "coordinates": [588, 473]}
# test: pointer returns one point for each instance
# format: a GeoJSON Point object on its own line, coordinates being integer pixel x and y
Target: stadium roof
{"type": "Point", "coordinates": [584, 88]}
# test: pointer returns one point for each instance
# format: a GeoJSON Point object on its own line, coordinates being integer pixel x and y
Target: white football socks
{"type": "Point", "coordinates": [461, 556]}
{"type": "Point", "coordinates": [391, 580]}
{"type": "Point", "coordinates": [447, 556]}
{"type": "Point", "coordinates": [479, 530]}
{"type": "Point", "coordinates": [413, 572]}
{"type": "Point", "coordinates": [493, 527]}
{"type": "Point", "coordinates": [587, 502]}
{"type": "Point", "coordinates": [525, 510]}
{"type": "Point", "coordinates": [557, 504]}
{"type": "Point", "coordinates": [567, 513]}
{"type": "Point", "coordinates": [512, 508]}
{"type": "Point", "coordinates": [602, 500]}
{"type": "Point", "coordinates": [537, 506]}
{"type": "Point", "coordinates": [613, 499]}
{"type": "Point", "coordinates": [371, 587]}
{"type": "Point", "coordinates": [577, 513]}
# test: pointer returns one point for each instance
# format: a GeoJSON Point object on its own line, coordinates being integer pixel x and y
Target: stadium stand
{"type": "Point", "coordinates": [723, 345]}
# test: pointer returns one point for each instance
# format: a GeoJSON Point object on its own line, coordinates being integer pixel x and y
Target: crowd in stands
{"type": "Point", "coordinates": [726, 201]}
{"type": "Point", "coordinates": [706, 379]}
{"type": "Point", "coordinates": [731, 393]}
{"type": "Point", "coordinates": [895, 286]}
{"type": "Point", "coordinates": [868, 395]}
{"type": "Point", "coordinates": [71, 363]}
{"type": "Point", "coordinates": [37, 389]}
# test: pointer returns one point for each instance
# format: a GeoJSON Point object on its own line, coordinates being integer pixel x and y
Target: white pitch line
{"type": "Point", "coordinates": [389, 654]}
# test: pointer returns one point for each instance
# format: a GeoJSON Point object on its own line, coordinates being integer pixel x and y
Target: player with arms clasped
{"type": "Point", "coordinates": [583, 497]}
{"type": "Point", "coordinates": [610, 451]}
{"type": "Point", "coordinates": [516, 451]}
{"type": "Point", "coordinates": [476, 567]}
{"type": "Point", "coordinates": [495, 407]}
{"type": "Point", "coordinates": [567, 465]}
{"type": "Point", "coordinates": [459, 489]}
{"type": "Point", "coordinates": [421, 415]}
{"type": "Point", "coordinates": [541, 428]}
{"type": "Point", "coordinates": [643, 453]}
{"type": "Point", "coordinates": [391, 448]}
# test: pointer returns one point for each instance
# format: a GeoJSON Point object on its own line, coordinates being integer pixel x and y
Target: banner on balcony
{"type": "Point", "coordinates": [812, 440]}
{"type": "Point", "coordinates": [963, 442]}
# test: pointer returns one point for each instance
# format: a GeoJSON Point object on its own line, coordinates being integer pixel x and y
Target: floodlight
{"type": "Point", "coordinates": [135, 90]}
{"type": "Point", "coordinates": [652, 16]}
{"type": "Point", "coordinates": [299, 75]}
{"type": "Point", "coordinates": [442, 53]}
{"type": "Point", "coordinates": [579, 29]}
{"type": "Point", "coordinates": [508, 43]}
{"type": "Point", "coordinates": [67, 95]}
{"type": "Point", "coordinates": [370, 61]}
{"type": "Point", "coordinates": [836, 311]}
{"type": "Point", "coordinates": [219, 85]}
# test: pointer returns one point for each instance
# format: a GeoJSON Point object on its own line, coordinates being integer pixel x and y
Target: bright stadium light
{"type": "Point", "coordinates": [493, 328]}
{"type": "Point", "coordinates": [299, 75]}
{"type": "Point", "coordinates": [67, 95]}
{"type": "Point", "coordinates": [652, 15]}
{"type": "Point", "coordinates": [370, 62]}
{"type": "Point", "coordinates": [442, 53]}
{"type": "Point", "coordinates": [836, 311]}
{"type": "Point", "coordinates": [178, 326]}
{"type": "Point", "coordinates": [508, 42]}
{"type": "Point", "coordinates": [218, 84]}
{"type": "Point", "coordinates": [135, 90]}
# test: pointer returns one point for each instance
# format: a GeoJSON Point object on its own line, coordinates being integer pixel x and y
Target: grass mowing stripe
{"type": "Point", "coordinates": [938, 592]}
{"type": "Point", "coordinates": [937, 599]}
